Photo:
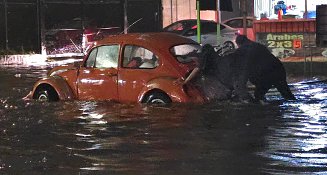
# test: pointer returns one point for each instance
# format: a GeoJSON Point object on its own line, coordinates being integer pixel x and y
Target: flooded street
{"type": "Point", "coordinates": [89, 137]}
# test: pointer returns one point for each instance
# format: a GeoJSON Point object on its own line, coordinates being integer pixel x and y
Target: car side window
{"type": "Point", "coordinates": [91, 59]}
{"type": "Point", "coordinates": [136, 57]}
{"type": "Point", "coordinates": [249, 23]}
{"type": "Point", "coordinates": [177, 26]}
{"type": "Point", "coordinates": [208, 28]}
{"type": "Point", "coordinates": [191, 32]}
{"type": "Point", "coordinates": [103, 57]}
{"type": "Point", "coordinates": [235, 23]}
{"type": "Point", "coordinates": [222, 27]}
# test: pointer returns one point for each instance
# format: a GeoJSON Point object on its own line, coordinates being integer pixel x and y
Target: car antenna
{"type": "Point", "coordinates": [131, 25]}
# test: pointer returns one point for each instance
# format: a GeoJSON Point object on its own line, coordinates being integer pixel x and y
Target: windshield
{"type": "Point", "coordinates": [186, 53]}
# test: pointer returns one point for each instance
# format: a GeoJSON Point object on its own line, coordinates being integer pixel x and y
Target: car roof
{"type": "Point", "coordinates": [202, 20]}
{"type": "Point", "coordinates": [240, 17]}
{"type": "Point", "coordinates": [205, 20]}
{"type": "Point", "coordinates": [159, 39]}
{"type": "Point", "coordinates": [193, 21]}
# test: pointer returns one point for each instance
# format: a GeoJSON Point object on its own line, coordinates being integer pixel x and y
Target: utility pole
{"type": "Point", "coordinates": [171, 11]}
{"type": "Point", "coordinates": [125, 17]}
{"type": "Point", "coordinates": [218, 24]}
{"type": "Point", "coordinates": [6, 23]}
{"type": "Point", "coordinates": [41, 26]}
{"type": "Point", "coordinates": [198, 21]}
{"type": "Point", "coordinates": [306, 9]}
{"type": "Point", "coordinates": [244, 14]}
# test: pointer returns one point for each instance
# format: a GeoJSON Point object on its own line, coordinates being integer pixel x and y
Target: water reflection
{"type": "Point", "coordinates": [101, 137]}
{"type": "Point", "coordinates": [298, 143]}
{"type": "Point", "coordinates": [121, 138]}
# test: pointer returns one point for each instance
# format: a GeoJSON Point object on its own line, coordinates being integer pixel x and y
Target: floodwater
{"type": "Point", "coordinates": [89, 137]}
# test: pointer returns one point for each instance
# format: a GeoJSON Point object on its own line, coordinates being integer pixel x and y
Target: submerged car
{"type": "Point", "coordinates": [188, 28]}
{"type": "Point", "coordinates": [144, 68]}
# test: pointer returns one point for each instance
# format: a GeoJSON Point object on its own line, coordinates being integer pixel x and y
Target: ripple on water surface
{"type": "Point", "coordinates": [89, 137]}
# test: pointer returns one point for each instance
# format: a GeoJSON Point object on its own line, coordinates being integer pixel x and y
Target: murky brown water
{"type": "Point", "coordinates": [88, 137]}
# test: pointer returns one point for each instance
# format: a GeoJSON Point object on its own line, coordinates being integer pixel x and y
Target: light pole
{"type": "Point", "coordinates": [218, 24]}
{"type": "Point", "coordinates": [244, 14]}
{"type": "Point", "coordinates": [198, 21]}
{"type": "Point", "coordinates": [125, 17]}
{"type": "Point", "coordinates": [6, 23]}
{"type": "Point", "coordinates": [306, 9]}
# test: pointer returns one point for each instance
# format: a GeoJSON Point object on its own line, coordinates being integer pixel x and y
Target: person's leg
{"type": "Point", "coordinates": [260, 91]}
{"type": "Point", "coordinates": [241, 89]}
{"type": "Point", "coordinates": [284, 90]}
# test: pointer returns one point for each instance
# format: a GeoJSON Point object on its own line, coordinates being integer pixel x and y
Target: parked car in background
{"type": "Point", "coordinates": [145, 68]}
{"type": "Point", "coordinates": [76, 36]}
{"type": "Point", "coordinates": [188, 28]}
{"type": "Point", "coordinates": [237, 23]}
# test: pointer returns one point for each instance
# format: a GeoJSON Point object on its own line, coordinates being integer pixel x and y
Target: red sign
{"type": "Point", "coordinates": [297, 43]}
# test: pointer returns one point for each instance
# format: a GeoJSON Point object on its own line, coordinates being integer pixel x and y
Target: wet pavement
{"type": "Point", "coordinates": [90, 137]}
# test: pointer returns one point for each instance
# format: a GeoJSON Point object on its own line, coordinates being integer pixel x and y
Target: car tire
{"type": "Point", "coordinates": [158, 99]}
{"type": "Point", "coordinates": [47, 94]}
{"type": "Point", "coordinates": [229, 46]}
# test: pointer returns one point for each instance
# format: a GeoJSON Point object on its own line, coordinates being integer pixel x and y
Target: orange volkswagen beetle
{"type": "Point", "coordinates": [145, 68]}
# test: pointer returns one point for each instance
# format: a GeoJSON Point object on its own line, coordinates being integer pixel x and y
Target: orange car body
{"type": "Point", "coordinates": [94, 79]}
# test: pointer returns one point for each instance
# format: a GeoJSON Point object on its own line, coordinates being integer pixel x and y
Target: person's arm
{"type": "Point", "coordinates": [192, 75]}
{"type": "Point", "coordinates": [181, 81]}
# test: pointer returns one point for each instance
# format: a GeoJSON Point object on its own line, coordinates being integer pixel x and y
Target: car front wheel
{"type": "Point", "coordinates": [158, 98]}
{"type": "Point", "coordinates": [47, 94]}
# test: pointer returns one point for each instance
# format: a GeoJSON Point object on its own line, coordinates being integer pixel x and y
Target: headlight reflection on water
{"type": "Point", "coordinates": [315, 127]}
{"type": "Point", "coordinates": [90, 114]}
{"type": "Point", "coordinates": [300, 139]}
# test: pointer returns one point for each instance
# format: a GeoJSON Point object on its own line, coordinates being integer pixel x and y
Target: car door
{"type": "Point", "coordinates": [138, 67]}
{"type": "Point", "coordinates": [97, 79]}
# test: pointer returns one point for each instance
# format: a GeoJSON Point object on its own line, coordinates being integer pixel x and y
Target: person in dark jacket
{"type": "Point", "coordinates": [225, 77]}
{"type": "Point", "coordinates": [263, 69]}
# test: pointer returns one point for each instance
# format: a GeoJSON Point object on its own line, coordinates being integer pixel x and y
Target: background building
{"type": "Point", "coordinates": [58, 25]}
{"type": "Point", "coordinates": [174, 10]}
{"type": "Point", "coordinates": [61, 26]}
{"type": "Point", "coordinates": [294, 8]}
